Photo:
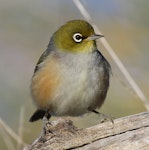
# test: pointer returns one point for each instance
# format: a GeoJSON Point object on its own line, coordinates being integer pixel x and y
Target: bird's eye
{"type": "Point", "coordinates": [77, 37]}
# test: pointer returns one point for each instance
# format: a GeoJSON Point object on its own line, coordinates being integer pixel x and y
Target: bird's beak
{"type": "Point", "coordinates": [94, 37]}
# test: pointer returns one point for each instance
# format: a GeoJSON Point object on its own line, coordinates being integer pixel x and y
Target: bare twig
{"type": "Point", "coordinates": [115, 58]}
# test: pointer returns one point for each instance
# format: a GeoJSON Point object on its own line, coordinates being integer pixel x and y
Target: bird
{"type": "Point", "coordinates": [72, 76]}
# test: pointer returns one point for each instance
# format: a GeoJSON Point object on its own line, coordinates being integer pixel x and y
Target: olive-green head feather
{"type": "Point", "coordinates": [75, 36]}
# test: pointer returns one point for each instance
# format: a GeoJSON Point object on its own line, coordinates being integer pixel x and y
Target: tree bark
{"type": "Point", "coordinates": [127, 133]}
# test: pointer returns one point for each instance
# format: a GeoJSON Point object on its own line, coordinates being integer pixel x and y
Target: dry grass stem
{"type": "Point", "coordinates": [115, 58]}
{"type": "Point", "coordinates": [21, 127]}
{"type": "Point", "coordinates": [4, 126]}
{"type": "Point", "coordinates": [7, 140]}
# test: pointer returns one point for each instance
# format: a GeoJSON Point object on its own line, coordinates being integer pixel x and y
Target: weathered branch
{"type": "Point", "coordinates": [131, 132]}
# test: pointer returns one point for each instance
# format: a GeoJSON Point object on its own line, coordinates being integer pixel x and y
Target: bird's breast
{"type": "Point", "coordinates": [81, 85]}
{"type": "Point", "coordinates": [70, 84]}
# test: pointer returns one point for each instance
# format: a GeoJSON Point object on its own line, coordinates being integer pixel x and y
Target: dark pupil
{"type": "Point", "coordinates": [78, 37]}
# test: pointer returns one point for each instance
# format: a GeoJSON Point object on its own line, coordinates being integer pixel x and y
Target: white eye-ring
{"type": "Point", "coordinates": [77, 37]}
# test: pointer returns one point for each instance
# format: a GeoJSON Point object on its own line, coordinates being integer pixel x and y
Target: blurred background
{"type": "Point", "coordinates": [25, 30]}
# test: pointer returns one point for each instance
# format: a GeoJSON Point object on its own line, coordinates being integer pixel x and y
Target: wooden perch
{"type": "Point", "coordinates": [127, 133]}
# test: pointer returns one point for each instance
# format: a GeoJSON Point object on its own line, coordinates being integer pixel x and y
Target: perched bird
{"type": "Point", "coordinates": [71, 77]}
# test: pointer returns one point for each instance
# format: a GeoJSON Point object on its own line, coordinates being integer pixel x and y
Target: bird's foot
{"type": "Point", "coordinates": [46, 124]}
{"type": "Point", "coordinates": [104, 117]}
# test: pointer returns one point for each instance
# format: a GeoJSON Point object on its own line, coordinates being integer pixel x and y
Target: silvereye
{"type": "Point", "coordinates": [71, 77]}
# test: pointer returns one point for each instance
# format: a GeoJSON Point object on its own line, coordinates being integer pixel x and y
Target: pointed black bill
{"type": "Point", "coordinates": [94, 37]}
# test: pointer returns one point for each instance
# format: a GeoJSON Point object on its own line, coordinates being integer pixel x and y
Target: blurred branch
{"type": "Point", "coordinates": [126, 133]}
{"type": "Point", "coordinates": [115, 58]}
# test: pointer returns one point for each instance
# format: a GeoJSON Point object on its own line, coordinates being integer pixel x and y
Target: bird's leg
{"type": "Point", "coordinates": [46, 122]}
{"type": "Point", "coordinates": [103, 117]}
